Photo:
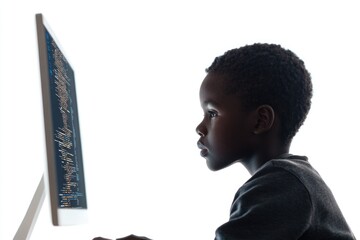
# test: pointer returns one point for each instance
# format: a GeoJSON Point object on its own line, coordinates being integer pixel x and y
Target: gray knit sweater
{"type": "Point", "coordinates": [285, 199]}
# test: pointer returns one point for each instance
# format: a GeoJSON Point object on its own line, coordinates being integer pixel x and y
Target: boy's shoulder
{"type": "Point", "coordinates": [283, 172]}
{"type": "Point", "coordinates": [281, 179]}
{"type": "Point", "coordinates": [288, 169]}
{"type": "Point", "coordinates": [289, 189]}
{"type": "Point", "coordinates": [290, 177]}
{"type": "Point", "coordinates": [295, 165]}
{"type": "Point", "coordinates": [290, 192]}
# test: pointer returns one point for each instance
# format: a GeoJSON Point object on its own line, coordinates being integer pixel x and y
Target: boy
{"type": "Point", "coordinates": [255, 99]}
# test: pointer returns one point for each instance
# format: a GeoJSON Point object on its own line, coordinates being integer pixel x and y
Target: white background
{"type": "Point", "coordinates": [139, 65]}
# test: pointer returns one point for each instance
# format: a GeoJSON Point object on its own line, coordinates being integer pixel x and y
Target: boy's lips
{"type": "Point", "coordinates": [203, 149]}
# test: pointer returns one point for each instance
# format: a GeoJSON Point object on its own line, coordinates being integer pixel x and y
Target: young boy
{"type": "Point", "coordinates": [255, 99]}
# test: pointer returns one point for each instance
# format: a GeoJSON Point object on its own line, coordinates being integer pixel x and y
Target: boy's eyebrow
{"type": "Point", "coordinates": [210, 104]}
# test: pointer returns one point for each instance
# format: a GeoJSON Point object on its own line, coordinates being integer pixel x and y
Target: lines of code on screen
{"type": "Point", "coordinates": [68, 154]}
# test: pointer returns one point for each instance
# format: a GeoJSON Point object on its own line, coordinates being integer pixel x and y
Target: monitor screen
{"type": "Point", "coordinates": [65, 171]}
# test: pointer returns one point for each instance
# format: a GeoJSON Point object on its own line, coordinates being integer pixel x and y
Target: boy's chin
{"type": "Point", "coordinates": [215, 166]}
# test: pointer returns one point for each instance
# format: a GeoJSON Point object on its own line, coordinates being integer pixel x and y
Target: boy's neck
{"type": "Point", "coordinates": [257, 160]}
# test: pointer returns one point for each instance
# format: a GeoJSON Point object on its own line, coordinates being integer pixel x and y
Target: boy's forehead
{"type": "Point", "coordinates": [213, 84]}
{"type": "Point", "coordinates": [212, 89]}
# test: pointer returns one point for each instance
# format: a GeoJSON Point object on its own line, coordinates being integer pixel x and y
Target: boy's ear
{"type": "Point", "coordinates": [265, 117]}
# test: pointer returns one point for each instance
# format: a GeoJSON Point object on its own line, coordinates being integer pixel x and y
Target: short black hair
{"type": "Point", "coordinates": [264, 73]}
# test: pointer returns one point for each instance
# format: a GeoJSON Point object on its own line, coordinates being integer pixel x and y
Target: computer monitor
{"type": "Point", "coordinates": [63, 179]}
{"type": "Point", "coordinates": [65, 171]}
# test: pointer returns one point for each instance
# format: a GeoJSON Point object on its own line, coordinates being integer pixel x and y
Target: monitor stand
{"type": "Point", "coordinates": [28, 223]}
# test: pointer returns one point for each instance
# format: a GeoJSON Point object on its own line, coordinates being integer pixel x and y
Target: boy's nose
{"type": "Point", "coordinates": [201, 130]}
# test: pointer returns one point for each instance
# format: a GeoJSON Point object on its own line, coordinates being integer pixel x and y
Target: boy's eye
{"type": "Point", "coordinates": [212, 114]}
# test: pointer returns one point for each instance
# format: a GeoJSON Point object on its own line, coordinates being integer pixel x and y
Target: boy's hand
{"type": "Point", "coordinates": [130, 237]}
{"type": "Point", "coordinates": [133, 237]}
